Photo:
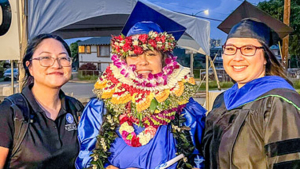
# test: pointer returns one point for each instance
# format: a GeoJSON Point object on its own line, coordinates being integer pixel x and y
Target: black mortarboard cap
{"type": "Point", "coordinates": [143, 19]}
{"type": "Point", "coordinates": [247, 21]}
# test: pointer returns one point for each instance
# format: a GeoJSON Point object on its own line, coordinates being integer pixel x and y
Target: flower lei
{"type": "Point", "coordinates": [149, 103]}
{"type": "Point", "coordinates": [124, 46]}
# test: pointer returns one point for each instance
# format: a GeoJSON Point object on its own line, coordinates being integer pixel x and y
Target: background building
{"type": "Point", "coordinates": [96, 51]}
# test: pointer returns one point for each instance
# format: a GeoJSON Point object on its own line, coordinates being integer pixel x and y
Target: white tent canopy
{"type": "Point", "coordinates": [88, 18]}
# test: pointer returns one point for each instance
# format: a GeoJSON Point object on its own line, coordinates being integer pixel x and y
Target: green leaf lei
{"type": "Point", "coordinates": [108, 134]}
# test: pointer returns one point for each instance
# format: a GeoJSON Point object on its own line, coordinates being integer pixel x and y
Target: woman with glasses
{"type": "Point", "coordinates": [256, 123]}
{"type": "Point", "coordinates": [49, 117]}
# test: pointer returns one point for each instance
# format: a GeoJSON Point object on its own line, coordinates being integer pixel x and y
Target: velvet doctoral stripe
{"type": "Point", "coordinates": [235, 97]}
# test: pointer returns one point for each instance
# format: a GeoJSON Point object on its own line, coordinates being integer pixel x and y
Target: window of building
{"type": "Point", "coordinates": [81, 49]}
{"type": "Point", "coordinates": [103, 51]}
{"type": "Point", "coordinates": [88, 49]}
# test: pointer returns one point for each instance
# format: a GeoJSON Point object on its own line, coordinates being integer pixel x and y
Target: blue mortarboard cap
{"type": "Point", "coordinates": [144, 19]}
{"type": "Point", "coordinates": [144, 27]}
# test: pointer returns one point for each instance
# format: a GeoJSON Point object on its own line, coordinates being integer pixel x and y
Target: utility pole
{"type": "Point", "coordinates": [285, 42]}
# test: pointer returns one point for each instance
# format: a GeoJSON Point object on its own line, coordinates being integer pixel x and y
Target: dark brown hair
{"type": "Point", "coordinates": [273, 66]}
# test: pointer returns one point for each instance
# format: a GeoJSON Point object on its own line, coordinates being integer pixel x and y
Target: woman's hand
{"type": "Point", "coordinates": [3, 155]}
{"type": "Point", "coordinates": [111, 167]}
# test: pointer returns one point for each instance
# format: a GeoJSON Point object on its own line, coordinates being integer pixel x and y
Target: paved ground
{"type": "Point", "coordinates": [81, 90]}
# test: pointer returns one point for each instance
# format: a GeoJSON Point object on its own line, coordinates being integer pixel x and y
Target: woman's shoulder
{"type": "Point", "coordinates": [282, 95]}
{"type": "Point", "coordinates": [195, 108]}
{"type": "Point", "coordinates": [95, 106]}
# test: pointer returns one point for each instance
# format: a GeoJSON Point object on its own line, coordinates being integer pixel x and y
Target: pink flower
{"type": "Point", "coordinates": [150, 76]}
{"type": "Point", "coordinates": [124, 134]}
{"type": "Point", "coordinates": [168, 60]}
{"type": "Point", "coordinates": [140, 76]}
{"type": "Point", "coordinates": [123, 71]}
{"type": "Point", "coordinates": [133, 67]}
{"type": "Point", "coordinates": [118, 64]}
{"type": "Point", "coordinates": [114, 57]}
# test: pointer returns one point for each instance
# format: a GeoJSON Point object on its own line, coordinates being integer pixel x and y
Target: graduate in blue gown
{"type": "Point", "coordinates": [144, 115]}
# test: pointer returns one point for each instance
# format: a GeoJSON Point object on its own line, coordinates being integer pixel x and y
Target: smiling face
{"type": "Point", "coordinates": [52, 76]}
{"type": "Point", "coordinates": [244, 69]}
{"type": "Point", "coordinates": [148, 62]}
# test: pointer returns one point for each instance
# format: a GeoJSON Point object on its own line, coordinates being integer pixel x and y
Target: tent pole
{"type": "Point", "coordinates": [206, 86]}
{"type": "Point", "coordinates": [192, 63]}
{"type": "Point", "coordinates": [12, 76]}
{"type": "Point", "coordinates": [212, 65]}
{"type": "Point", "coordinates": [23, 22]}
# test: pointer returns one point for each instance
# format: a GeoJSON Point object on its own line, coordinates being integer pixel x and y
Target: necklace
{"type": "Point", "coordinates": [149, 106]}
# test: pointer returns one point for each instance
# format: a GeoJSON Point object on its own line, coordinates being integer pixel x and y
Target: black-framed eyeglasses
{"type": "Point", "coordinates": [247, 50]}
{"type": "Point", "coordinates": [47, 61]}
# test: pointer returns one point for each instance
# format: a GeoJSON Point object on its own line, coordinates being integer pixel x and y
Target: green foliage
{"type": "Point", "coordinates": [214, 85]}
{"type": "Point", "coordinates": [276, 8]}
{"type": "Point", "coordinates": [296, 84]}
{"type": "Point", "coordinates": [87, 77]}
{"type": "Point", "coordinates": [74, 53]}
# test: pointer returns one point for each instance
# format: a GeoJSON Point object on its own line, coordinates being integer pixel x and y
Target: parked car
{"type": "Point", "coordinates": [7, 73]}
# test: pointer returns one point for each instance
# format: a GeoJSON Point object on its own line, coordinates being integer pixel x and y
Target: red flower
{"type": "Point", "coordinates": [135, 141]}
{"type": "Point", "coordinates": [152, 42]}
{"type": "Point", "coordinates": [125, 119]}
{"type": "Point", "coordinates": [120, 38]}
{"type": "Point", "coordinates": [163, 39]}
{"type": "Point", "coordinates": [158, 39]}
{"type": "Point", "coordinates": [126, 47]}
{"type": "Point", "coordinates": [117, 48]}
{"type": "Point", "coordinates": [138, 50]}
{"type": "Point", "coordinates": [143, 38]}
{"type": "Point", "coordinates": [128, 40]}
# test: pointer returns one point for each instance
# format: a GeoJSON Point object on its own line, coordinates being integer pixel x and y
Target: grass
{"type": "Point", "coordinates": [88, 77]}
{"type": "Point", "coordinates": [213, 85]}
{"type": "Point", "coordinates": [296, 84]}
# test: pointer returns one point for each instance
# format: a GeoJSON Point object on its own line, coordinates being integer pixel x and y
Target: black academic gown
{"type": "Point", "coordinates": [261, 134]}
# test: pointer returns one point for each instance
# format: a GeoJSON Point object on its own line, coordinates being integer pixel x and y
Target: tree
{"type": "Point", "coordinates": [275, 8]}
{"type": "Point", "coordinates": [74, 53]}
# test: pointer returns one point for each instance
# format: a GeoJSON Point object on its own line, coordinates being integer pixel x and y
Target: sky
{"type": "Point", "coordinates": [218, 10]}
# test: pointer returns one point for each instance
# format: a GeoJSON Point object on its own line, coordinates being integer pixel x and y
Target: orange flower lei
{"type": "Point", "coordinates": [150, 106]}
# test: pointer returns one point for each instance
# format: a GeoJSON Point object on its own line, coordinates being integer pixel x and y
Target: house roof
{"type": "Point", "coordinates": [95, 41]}
{"type": "Point", "coordinates": [274, 47]}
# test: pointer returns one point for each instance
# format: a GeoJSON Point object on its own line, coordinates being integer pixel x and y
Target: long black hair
{"type": "Point", "coordinates": [31, 47]}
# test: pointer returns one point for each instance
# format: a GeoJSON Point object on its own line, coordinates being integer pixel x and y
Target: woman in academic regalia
{"type": "Point", "coordinates": [256, 123]}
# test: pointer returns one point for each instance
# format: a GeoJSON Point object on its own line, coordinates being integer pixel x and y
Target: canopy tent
{"type": "Point", "coordinates": [73, 19]}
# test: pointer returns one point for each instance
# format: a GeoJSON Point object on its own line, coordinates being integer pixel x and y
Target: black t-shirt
{"type": "Point", "coordinates": [47, 143]}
